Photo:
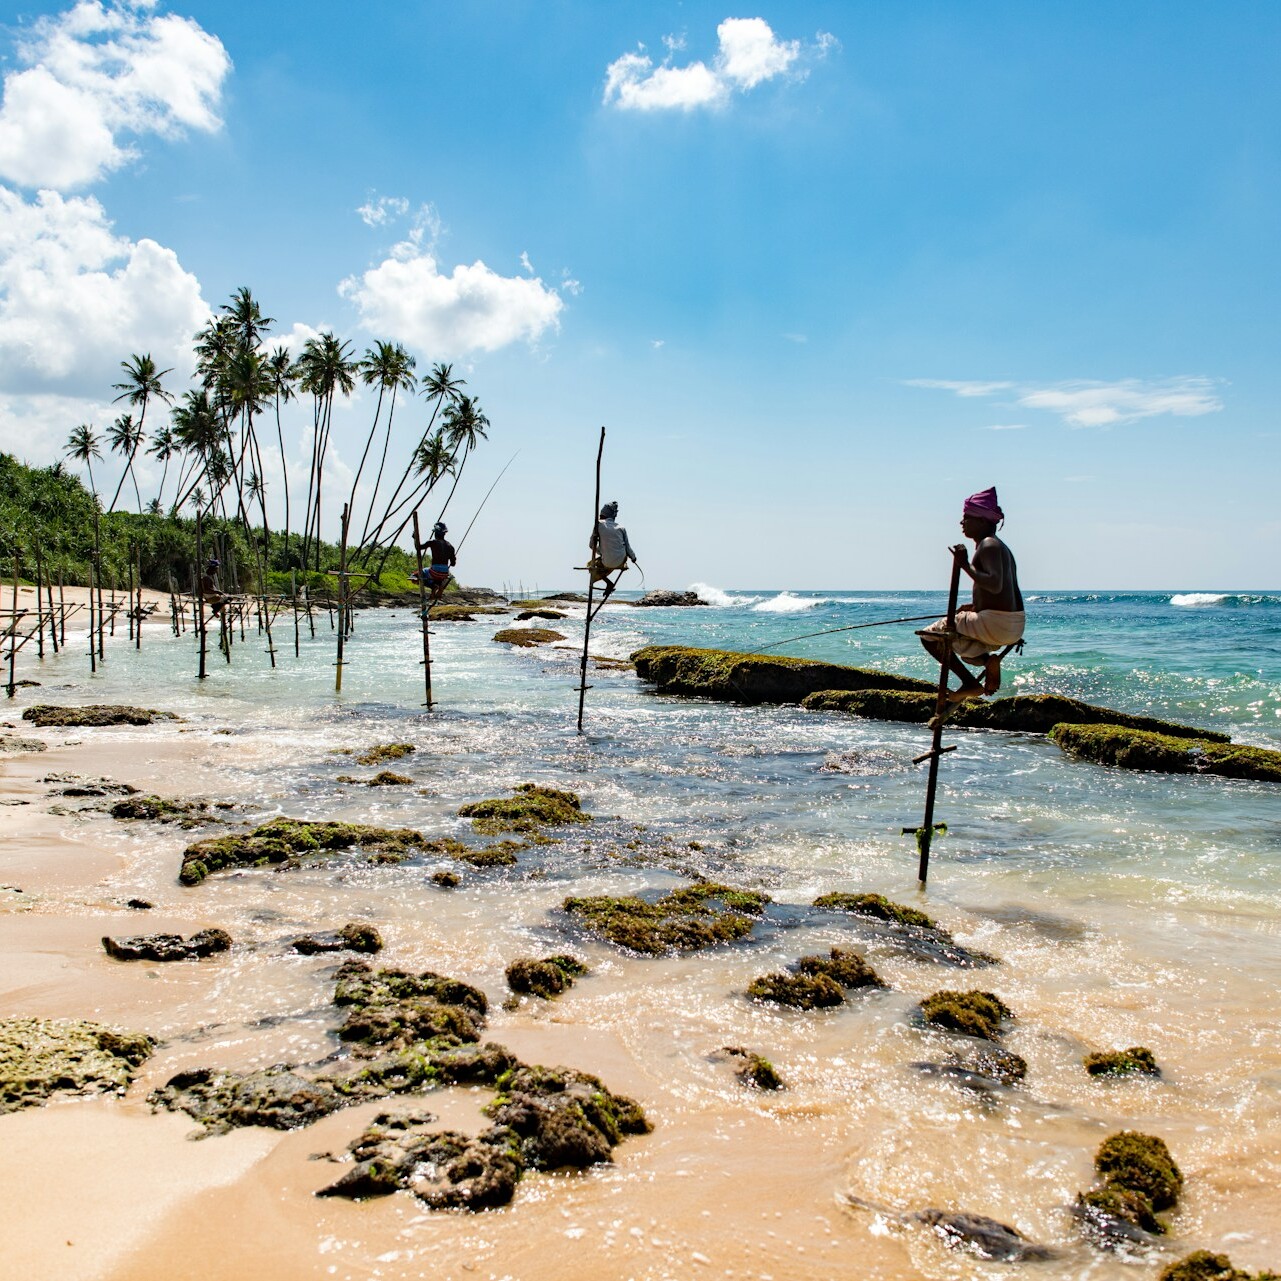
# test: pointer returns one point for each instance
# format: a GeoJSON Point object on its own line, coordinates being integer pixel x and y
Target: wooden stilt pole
{"type": "Point", "coordinates": [53, 620]}
{"type": "Point", "coordinates": [137, 636]}
{"type": "Point", "coordinates": [201, 634]}
{"type": "Point", "coordinates": [925, 833]}
{"type": "Point", "coordinates": [423, 612]}
{"type": "Point", "coordinates": [97, 568]}
{"type": "Point", "coordinates": [129, 612]}
{"type": "Point", "coordinates": [11, 689]}
{"type": "Point", "coordinates": [39, 603]}
{"type": "Point", "coordinates": [93, 660]}
{"type": "Point", "coordinates": [293, 592]}
{"type": "Point", "coordinates": [62, 612]}
{"type": "Point", "coordinates": [591, 584]}
{"type": "Point", "coordinates": [342, 601]}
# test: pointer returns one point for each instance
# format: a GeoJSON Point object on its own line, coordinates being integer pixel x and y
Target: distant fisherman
{"type": "Point", "coordinates": [443, 558]}
{"type": "Point", "coordinates": [994, 619]}
{"type": "Point", "coordinates": [610, 549]}
{"type": "Point", "coordinates": [209, 588]}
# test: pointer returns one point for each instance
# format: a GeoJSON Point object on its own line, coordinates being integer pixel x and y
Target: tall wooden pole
{"type": "Point", "coordinates": [342, 600]}
{"type": "Point", "coordinates": [201, 632]}
{"type": "Point", "coordinates": [129, 613]}
{"type": "Point", "coordinates": [93, 660]}
{"type": "Point", "coordinates": [48, 585]}
{"type": "Point", "coordinates": [925, 834]}
{"type": "Point", "coordinates": [423, 612]}
{"type": "Point", "coordinates": [591, 585]}
{"type": "Point", "coordinates": [11, 689]}
{"type": "Point", "coordinates": [137, 636]}
{"type": "Point", "coordinates": [39, 603]}
{"type": "Point", "coordinates": [97, 556]}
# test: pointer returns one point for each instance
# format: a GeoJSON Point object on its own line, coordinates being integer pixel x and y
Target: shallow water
{"type": "Point", "coordinates": [1127, 909]}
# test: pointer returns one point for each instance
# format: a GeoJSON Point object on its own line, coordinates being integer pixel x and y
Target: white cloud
{"type": "Point", "coordinates": [1085, 403]}
{"type": "Point", "coordinates": [525, 263]}
{"type": "Point", "coordinates": [376, 213]}
{"type": "Point", "coordinates": [36, 427]}
{"type": "Point", "coordinates": [1005, 427]}
{"type": "Point", "coordinates": [748, 54]}
{"type": "Point", "coordinates": [797, 338]}
{"type": "Point", "coordinates": [657, 343]}
{"type": "Point", "coordinates": [96, 73]}
{"type": "Point", "coordinates": [76, 299]}
{"type": "Point", "coordinates": [406, 297]}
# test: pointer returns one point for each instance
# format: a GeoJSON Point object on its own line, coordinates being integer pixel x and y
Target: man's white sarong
{"type": "Point", "coordinates": [983, 631]}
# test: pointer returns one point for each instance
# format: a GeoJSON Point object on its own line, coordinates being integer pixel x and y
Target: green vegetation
{"type": "Point", "coordinates": [383, 752]}
{"type": "Point", "coordinates": [159, 810]}
{"type": "Point", "coordinates": [527, 637]}
{"type": "Point", "coordinates": [1201, 1265]}
{"type": "Point", "coordinates": [1137, 1060]}
{"type": "Point", "coordinates": [973, 1013]}
{"type": "Point", "coordinates": [1138, 749]}
{"type": "Point", "coordinates": [533, 807]}
{"type": "Point", "coordinates": [1140, 1163]}
{"type": "Point", "coordinates": [844, 965]}
{"type": "Point", "coordinates": [875, 905]}
{"type": "Point", "coordinates": [547, 977]}
{"type": "Point", "coordinates": [42, 1057]}
{"type": "Point", "coordinates": [803, 991]}
{"type": "Point", "coordinates": [754, 1070]}
{"type": "Point", "coordinates": [686, 920]}
{"type": "Point", "coordinates": [754, 678]}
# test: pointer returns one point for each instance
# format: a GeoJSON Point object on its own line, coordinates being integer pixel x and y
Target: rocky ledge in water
{"type": "Point", "coordinates": [545, 1119]}
{"type": "Point", "coordinates": [157, 809]}
{"type": "Point", "coordinates": [42, 1057]}
{"type": "Point", "coordinates": [754, 1070]}
{"type": "Point", "coordinates": [1138, 1179]}
{"type": "Point", "coordinates": [1028, 713]}
{"type": "Point", "coordinates": [167, 947]}
{"type": "Point", "coordinates": [381, 753]}
{"type": "Point", "coordinates": [684, 920]}
{"type": "Point", "coordinates": [527, 637]}
{"type": "Point", "coordinates": [971, 1013]}
{"type": "Point", "coordinates": [550, 615]}
{"type": "Point", "coordinates": [820, 981]}
{"type": "Point", "coordinates": [285, 841]}
{"type": "Point", "coordinates": [1201, 1265]}
{"type": "Point", "coordinates": [1138, 1060]}
{"type": "Point", "coordinates": [982, 1069]}
{"type": "Point", "coordinates": [669, 598]}
{"type": "Point", "coordinates": [1166, 754]}
{"type": "Point", "coordinates": [355, 936]}
{"type": "Point", "coordinates": [384, 778]}
{"type": "Point", "coordinates": [754, 678]}
{"type": "Point", "coordinates": [13, 744]}
{"type": "Point", "coordinates": [980, 1236]}
{"type": "Point", "coordinates": [532, 808]}
{"type": "Point", "coordinates": [46, 714]}
{"type": "Point", "coordinates": [911, 930]}
{"type": "Point", "coordinates": [547, 977]}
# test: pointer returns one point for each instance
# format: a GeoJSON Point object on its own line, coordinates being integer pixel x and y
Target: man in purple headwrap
{"type": "Point", "coordinates": [994, 618]}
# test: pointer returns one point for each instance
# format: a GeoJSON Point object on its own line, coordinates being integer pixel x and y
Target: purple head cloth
{"type": "Point", "coordinates": [985, 506]}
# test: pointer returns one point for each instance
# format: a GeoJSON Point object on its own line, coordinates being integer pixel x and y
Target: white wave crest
{"type": "Point", "coordinates": [1198, 598]}
{"type": "Point", "coordinates": [715, 596]}
{"type": "Point", "coordinates": [786, 603]}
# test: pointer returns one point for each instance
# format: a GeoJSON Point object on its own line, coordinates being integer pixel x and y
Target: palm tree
{"type": "Point", "coordinates": [280, 372]}
{"type": "Point", "coordinates": [199, 433]}
{"type": "Point", "coordinates": [391, 367]}
{"type": "Point", "coordinates": [123, 437]}
{"type": "Point", "coordinates": [82, 445]}
{"type": "Point", "coordinates": [248, 323]}
{"type": "Point", "coordinates": [164, 444]}
{"type": "Point", "coordinates": [142, 382]}
{"type": "Point", "coordinates": [324, 369]}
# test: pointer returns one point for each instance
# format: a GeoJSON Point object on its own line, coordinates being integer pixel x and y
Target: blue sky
{"type": "Point", "coordinates": [821, 269]}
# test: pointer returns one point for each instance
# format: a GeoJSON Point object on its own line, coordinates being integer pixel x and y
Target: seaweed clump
{"type": "Point", "coordinates": [1138, 1060]}
{"type": "Point", "coordinates": [1163, 753]}
{"type": "Point", "coordinates": [685, 920]}
{"type": "Point", "coordinates": [1139, 1179]}
{"type": "Point", "coordinates": [167, 947]}
{"type": "Point", "coordinates": [972, 1013]}
{"type": "Point", "coordinates": [547, 977]}
{"type": "Point", "coordinates": [875, 905]}
{"type": "Point", "coordinates": [380, 753]}
{"type": "Point", "coordinates": [159, 810]}
{"type": "Point", "coordinates": [821, 981]}
{"type": "Point", "coordinates": [42, 1057]}
{"type": "Point", "coordinates": [285, 840]}
{"type": "Point", "coordinates": [46, 714]}
{"type": "Point", "coordinates": [355, 936]}
{"type": "Point", "coordinates": [918, 933]}
{"type": "Point", "coordinates": [532, 808]}
{"type": "Point", "coordinates": [276, 1098]}
{"type": "Point", "coordinates": [527, 637]}
{"type": "Point", "coordinates": [754, 1070]}
{"type": "Point", "coordinates": [1201, 1265]}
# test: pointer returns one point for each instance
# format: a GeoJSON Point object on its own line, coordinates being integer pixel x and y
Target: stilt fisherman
{"type": "Point", "coordinates": [443, 559]}
{"type": "Point", "coordinates": [993, 620]}
{"type": "Point", "coordinates": [610, 549]}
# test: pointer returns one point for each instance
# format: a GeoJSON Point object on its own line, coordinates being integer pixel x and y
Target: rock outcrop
{"type": "Point", "coordinates": [43, 1057]}
{"type": "Point", "coordinates": [1166, 754]}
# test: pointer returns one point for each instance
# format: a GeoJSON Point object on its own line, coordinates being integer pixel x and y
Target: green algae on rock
{"type": "Point", "coordinates": [277, 1098]}
{"type": "Point", "coordinates": [446, 880]}
{"type": "Point", "coordinates": [284, 840]}
{"type": "Point", "coordinates": [801, 991]}
{"type": "Point", "coordinates": [43, 1057]}
{"type": "Point", "coordinates": [527, 637]}
{"type": "Point", "coordinates": [546, 977]}
{"type": "Point", "coordinates": [1142, 1163]}
{"type": "Point", "coordinates": [1138, 1060]}
{"type": "Point", "coordinates": [531, 808]}
{"type": "Point", "coordinates": [685, 920]}
{"type": "Point", "coordinates": [876, 905]}
{"type": "Point", "coordinates": [1201, 1265]}
{"type": "Point", "coordinates": [1027, 713]}
{"type": "Point", "coordinates": [549, 615]}
{"type": "Point", "coordinates": [754, 1070]}
{"type": "Point", "coordinates": [979, 1069]}
{"type": "Point", "coordinates": [355, 936]}
{"type": "Point", "coordinates": [918, 933]}
{"type": "Point", "coordinates": [973, 1013]}
{"type": "Point", "coordinates": [844, 965]}
{"type": "Point", "coordinates": [380, 753]}
{"type": "Point", "coordinates": [159, 810]}
{"type": "Point", "coordinates": [755, 678]}
{"type": "Point", "coordinates": [1138, 749]}
{"type": "Point", "coordinates": [47, 714]}
{"type": "Point", "coordinates": [167, 947]}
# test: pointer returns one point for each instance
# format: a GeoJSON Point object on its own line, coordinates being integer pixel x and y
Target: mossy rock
{"type": "Point", "coordinates": [844, 965]}
{"type": "Point", "coordinates": [1138, 749]}
{"type": "Point", "coordinates": [910, 929]}
{"type": "Point", "coordinates": [384, 752]}
{"type": "Point", "coordinates": [550, 615]}
{"type": "Point", "coordinates": [446, 880]}
{"type": "Point", "coordinates": [754, 678]}
{"type": "Point", "coordinates": [801, 991]}
{"type": "Point", "coordinates": [754, 1070]}
{"type": "Point", "coordinates": [1112, 1207]}
{"type": "Point", "coordinates": [285, 839]}
{"type": "Point", "coordinates": [43, 1057]}
{"type": "Point", "coordinates": [531, 808]}
{"type": "Point", "coordinates": [546, 977]}
{"type": "Point", "coordinates": [1202, 1265]}
{"type": "Point", "coordinates": [355, 936]}
{"type": "Point", "coordinates": [686, 920]}
{"type": "Point", "coordinates": [1140, 1163]}
{"type": "Point", "coordinates": [1138, 1060]}
{"type": "Point", "coordinates": [527, 637]}
{"type": "Point", "coordinates": [45, 715]}
{"type": "Point", "coordinates": [972, 1013]}
{"type": "Point", "coordinates": [157, 809]}
{"type": "Point", "coordinates": [1026, 713]}
{"type": "Point", "coordinates": [276, 1098]}
{"type": "Point", "coordinates": [168, 947]}
{"type": "Point", "coordinates": [876, 906]}
{"type": "Point", "coordinates": [457, 613]}
{"type": "Point", "coordinates": [980, 1069]}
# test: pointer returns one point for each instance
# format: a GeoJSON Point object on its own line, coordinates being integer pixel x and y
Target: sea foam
{"type": "Point", "coordinates": [787, 603]}
{"type": "Point", "coordinates": [721, 599]}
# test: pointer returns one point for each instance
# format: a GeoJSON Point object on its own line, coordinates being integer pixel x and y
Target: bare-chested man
{"type": "Point", "coordinates": [994, 618]}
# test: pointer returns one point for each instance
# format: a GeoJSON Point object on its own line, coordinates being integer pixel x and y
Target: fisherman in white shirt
{"type": "Point", "coordinates": [610, 548]}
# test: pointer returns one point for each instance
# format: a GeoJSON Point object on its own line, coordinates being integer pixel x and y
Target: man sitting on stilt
{"type": "Point", "coordinates": [994, 619]}
{"type": "Point", "coordinates": [443, 559]}
{"type": "Point", "coordinates": [610, 550]}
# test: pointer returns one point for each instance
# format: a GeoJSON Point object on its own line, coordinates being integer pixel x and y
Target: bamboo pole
{"type": "Point", "coordinates": [39, 603]}
{"type": "Point", "coordinates": [93, 661]}
{"type": "Point", "coordinates": [62, 611]}
{"type": "Point", "coordinates": [591, 584]}
{"type": "Point", "coordinates": [925, 833]}
{"type": "Point", "coordinates": [293, 592]}
{"type": "Point", "coordinates": [53, 620]}
{"type": "Point", "coordinates": [129, 613]}
{"type": "Point", "coordinates": [11, 689]}
{"type": "Point", "coordinates": [201, 636]}
{"type": "Point", "coordinates": [342, 600]}
{"type": "Point", "coordinates": [423, 611]}
{"type": "Point", "coordinates": [97, 556]}
{"type": "Point", "coordinates": [137, 636]}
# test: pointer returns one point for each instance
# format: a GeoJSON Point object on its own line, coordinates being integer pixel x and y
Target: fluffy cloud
{"type": "Point", "coordinates": [76, 299]}
{"type": "Point", "coordinates": [1083, 403]}
{"type": "Point", "coordinates": [407, 297]}
{"type": "Point", "coordinates": [748, 54]}
{"type": "Point", "coordinates": [98, 72]}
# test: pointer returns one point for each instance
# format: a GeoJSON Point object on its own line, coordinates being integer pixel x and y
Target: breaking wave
{"type": "Point", "coordinates": [722, 599]}
{"type": "Point", "coordinates": [1192, 599]}
{"type": "Point", "coordinates": [787, 603]}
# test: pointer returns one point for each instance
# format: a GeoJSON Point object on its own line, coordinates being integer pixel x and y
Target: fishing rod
{"type": "Point", "coordinates": [853, 627]}
{"type": "Point", "coordinates": [484, 500]}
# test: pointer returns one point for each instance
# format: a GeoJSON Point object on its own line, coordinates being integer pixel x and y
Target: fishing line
{"type": "Point", "coordinates": [853, 627]}
{"type": "Point", "coordinates": [484, 500]}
